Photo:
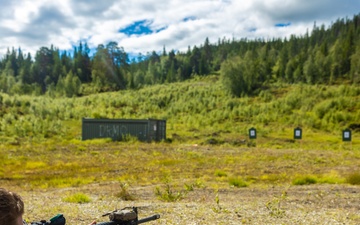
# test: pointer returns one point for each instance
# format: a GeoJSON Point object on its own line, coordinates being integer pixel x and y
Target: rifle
{"type": "Point", "coordinates": [59, 219]}
{"type": "Point", "coordinates": [127, 216]}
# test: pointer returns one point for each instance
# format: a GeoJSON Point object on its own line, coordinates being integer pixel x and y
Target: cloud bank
{"type": "Point", "coordinates": [142, 26]}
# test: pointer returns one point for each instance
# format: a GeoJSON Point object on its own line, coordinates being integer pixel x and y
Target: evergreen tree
{"type": "Point", "coordinates": [310, 70]}
{"type": "Point", "coordinates": [43, 66]}
{"type": "Point", "coordinates": [7, 78]}
{"type": "Point", "coordinates": [82, 63]}
{"type": "Point", "coordinates": [25, 75]}
{"type": "Point", "coordinates": [106, 67]}
{"type": "Point", "coordinates": [355, 65]}
{"type": "Point", "coordinates": [195, 60]}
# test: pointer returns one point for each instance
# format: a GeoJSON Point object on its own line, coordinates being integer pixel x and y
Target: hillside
{"type": "Point", "coordinates": [197, 111]}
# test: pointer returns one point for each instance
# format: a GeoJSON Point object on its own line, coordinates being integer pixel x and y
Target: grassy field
{"type": "Point", "coordinates": [79, 163]}
{"type": "Point", "coordinates": [186, 183]}
{"type": "Point", "coordinates": [206, 172]}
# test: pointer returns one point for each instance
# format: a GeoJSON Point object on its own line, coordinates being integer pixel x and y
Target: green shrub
{"type": "Point", "coordinates": [331, 178]}
{"type": "Point", "coordinates": [353, 178]}
{"type": "Point", "coordinates": [304, 180]}
{"type": "Point", "coordinates": [266, 96]}
{"type": "Point", "coordinates": [129, 138]}
{"type": "Point", "coordinates": [168, 194]}
{"type": "Point", "coordinates": [237, 182]}
{"type": "Point", "coordinates": [220, 173]}
{"type": "Point", "coordinates": [124, 193]}
{"type": "Point", "coordinates": [77, 198]}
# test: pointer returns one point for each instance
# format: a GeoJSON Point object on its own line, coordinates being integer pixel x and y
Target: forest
{"type": "Point", "coordinates": [325, 55]}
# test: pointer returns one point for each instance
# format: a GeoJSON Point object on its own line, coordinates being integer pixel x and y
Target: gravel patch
{"type": "Point", "coordinates": [311, 204]}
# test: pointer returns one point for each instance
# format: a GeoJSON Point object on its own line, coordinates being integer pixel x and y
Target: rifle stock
{"type": "Point", "coordinates": [144, 220]}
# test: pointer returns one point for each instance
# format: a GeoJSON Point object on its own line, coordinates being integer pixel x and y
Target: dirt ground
{"type": "Point", "coordinates": [311, 204]}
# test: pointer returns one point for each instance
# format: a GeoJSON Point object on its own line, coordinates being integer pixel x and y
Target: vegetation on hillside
{"type": "Point", "coordinates": [198, 111]}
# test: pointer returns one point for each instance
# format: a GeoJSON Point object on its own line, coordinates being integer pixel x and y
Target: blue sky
{"type": "Point", "coordinates": [141, 26]}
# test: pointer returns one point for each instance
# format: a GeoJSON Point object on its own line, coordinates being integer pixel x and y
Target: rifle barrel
{"type": "Point", "coordinates": [147, 219]}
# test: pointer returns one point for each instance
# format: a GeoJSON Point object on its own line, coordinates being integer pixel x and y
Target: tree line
{"type": "Point", "coordinates": [325, 55]}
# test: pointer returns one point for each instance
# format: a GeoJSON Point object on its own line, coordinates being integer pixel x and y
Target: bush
{"type": "Point", "coordinates": [305, 180]}
{"type": "Point", "coordinates": [169, 195]}
{"type": "Point", "coordinates": [237, 182]}
{"type": "Point", "coordinates": [353, 179]}
{"type": "Point", "coordinates": [77, 198]}
{"type": "Point", "coordinates": [331, 178]}
{"type": "Point", "coordinates": [220, 173]}
{"type": "Point", "coordinates": [124, 193]}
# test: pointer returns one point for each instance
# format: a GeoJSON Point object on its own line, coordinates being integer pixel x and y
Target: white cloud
{"type": "Point", "coordinates": [32, 24]}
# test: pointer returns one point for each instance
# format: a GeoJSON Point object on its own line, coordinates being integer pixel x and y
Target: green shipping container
{"type": "Point", "coordinates": [116, 129]}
